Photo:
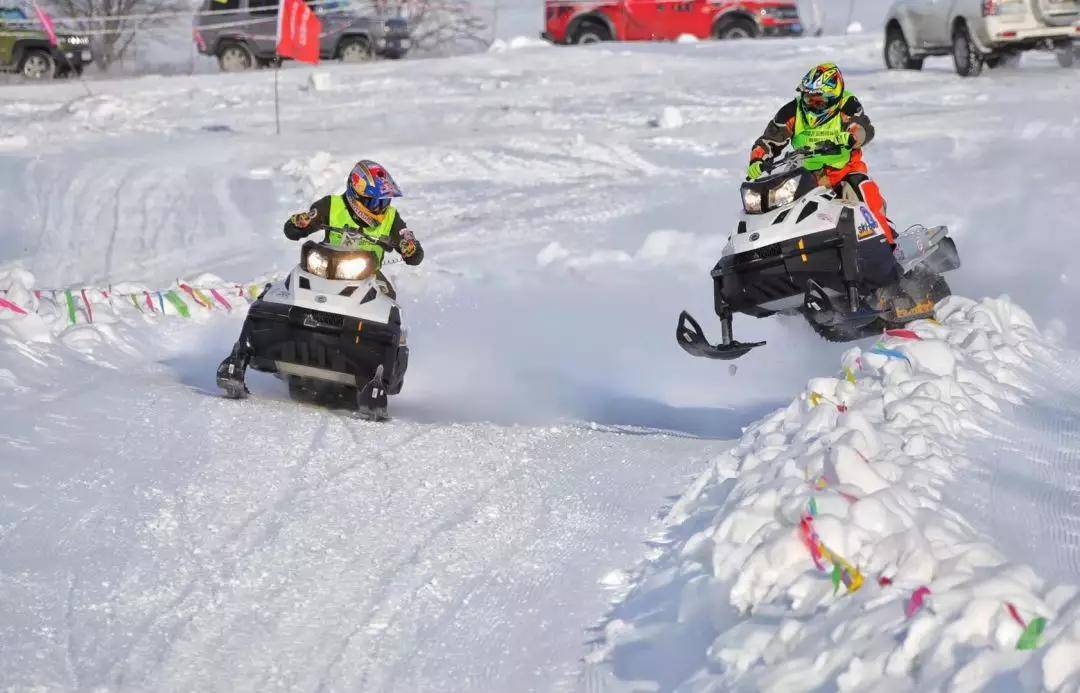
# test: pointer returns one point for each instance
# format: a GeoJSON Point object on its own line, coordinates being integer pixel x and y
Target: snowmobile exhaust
{"type": "Point", "coordinates": [692, 339]}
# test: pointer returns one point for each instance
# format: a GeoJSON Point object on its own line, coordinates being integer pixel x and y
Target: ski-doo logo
{"type": "Point", "coordinates": [754, 236]}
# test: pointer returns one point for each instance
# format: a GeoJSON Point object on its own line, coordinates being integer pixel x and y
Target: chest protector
{"type": "Point", "coordinates": [342, 219]}
{"type": "Point", "coordinates": [830, 131]}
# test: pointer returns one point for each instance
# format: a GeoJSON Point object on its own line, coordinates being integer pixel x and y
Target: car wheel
{"type": "Point", "coordinates": [737, 28]}
{"type": "Point", "coordinates": [1066, 54]}
{"type": "Point", "coordinates": [966, 57]}
{"type": "Point", "coordinates": [898, 53]}
{"type": "Point", "coordinates": [590, 32]}
{"type": "Point", "coordinates": [235, 57]}
{"type": "Point", "coordinates": [37, 64]}
{"type": "Point", "coordinates": [355, 50]}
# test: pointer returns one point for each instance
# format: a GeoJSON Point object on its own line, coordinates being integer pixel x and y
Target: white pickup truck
{"type": "Point", "coordinates": [979, 32]}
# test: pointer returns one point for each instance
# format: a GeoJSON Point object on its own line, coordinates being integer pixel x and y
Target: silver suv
{"type": "Point", "coordinates": [979, 32]}
{"type": "Point", "coordinates": [241, 33]}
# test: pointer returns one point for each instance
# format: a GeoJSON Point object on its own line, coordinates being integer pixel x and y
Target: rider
{"type": "Point", "coordinates": [824, 112]}
{"type": "Point", "coordinates": [365, 204]}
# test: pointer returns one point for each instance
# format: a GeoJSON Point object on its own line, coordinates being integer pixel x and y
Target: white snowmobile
{"type": "Point", "coordinates": [802, 248]}
{"type": "Point", "coordinates": [332, 329]}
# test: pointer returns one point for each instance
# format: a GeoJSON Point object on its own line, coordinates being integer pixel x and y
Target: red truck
{"type": "Point", "coordinates": [657, 20]}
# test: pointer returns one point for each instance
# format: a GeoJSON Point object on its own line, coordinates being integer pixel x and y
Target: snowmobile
{"type": "Point", "coordinates": [332, 328]}
{"type": "Point", "coordinates": [802, 248]}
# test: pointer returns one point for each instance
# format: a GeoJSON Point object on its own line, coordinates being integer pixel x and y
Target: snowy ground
{"type": "Point", "coordinates": [911, 524]}
{"type": "Point", "coordinates": [152, 537]}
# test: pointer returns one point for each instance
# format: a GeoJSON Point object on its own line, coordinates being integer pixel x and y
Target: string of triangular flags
{"type": "Point", "coordinates": [78, 304]}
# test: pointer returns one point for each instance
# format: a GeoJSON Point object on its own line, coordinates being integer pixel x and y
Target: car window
{"type": "Point", "coordinates": [219, 5]}
{"type": "Point", "coordinates": [12, 14]}
{"type": "Point", "coordinates": [263, 7]}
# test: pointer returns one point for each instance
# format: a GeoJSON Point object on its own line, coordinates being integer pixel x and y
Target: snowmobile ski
{"type": "Point", "coordinates": [371, 402]}
{"type": "Point", "coordinates": [692, 339]}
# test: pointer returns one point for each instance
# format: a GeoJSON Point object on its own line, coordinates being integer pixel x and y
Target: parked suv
{"type": "Point", "coordinates": [978, 32]}
{"type": "Point", "coordinates": [242, 33]}
{"type": "Point", "coordinates": [657, 20]}
{"type": "Point", "coordinates": [25, 48]}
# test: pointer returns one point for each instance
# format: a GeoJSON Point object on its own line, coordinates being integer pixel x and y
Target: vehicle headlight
{"type": "Point", "coordinates": [783, 194]}
{"type": "Point", "coordinates": [354, 268]}
{"type": "Point", "coordinates": [317, 263]}
{"type": "Point", "coordinates": [751, 200]}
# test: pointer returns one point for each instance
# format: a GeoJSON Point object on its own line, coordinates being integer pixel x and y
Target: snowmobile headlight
{"type": "Point", "coordinates": [317, 263]}
{"type": "Point", "coordinates": [751, 200]}
{"type": "Point", "coordinates": [783, 194]}
{"type": "Point", "coordinates": [353, 268]}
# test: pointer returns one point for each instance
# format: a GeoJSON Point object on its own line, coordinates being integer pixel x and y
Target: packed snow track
{"type": "Point", "coordinates": [506, 530]}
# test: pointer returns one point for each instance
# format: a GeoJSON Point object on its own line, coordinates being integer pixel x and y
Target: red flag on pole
{"type": "Point", "coordinates": [47, 23]}
{"type": "Point", "coordinates": [298, 32]}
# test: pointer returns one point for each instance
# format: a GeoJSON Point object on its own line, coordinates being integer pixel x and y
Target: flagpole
{"type": "Point", "coordinates": [277, 108]}
{"type": "Point", "coordinates": [277, 64]}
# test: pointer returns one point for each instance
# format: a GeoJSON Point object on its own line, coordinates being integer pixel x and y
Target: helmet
{"type": "Point", "coordinates": [370, 186]}
{"type": "Point", "coordinates": [820, 93]}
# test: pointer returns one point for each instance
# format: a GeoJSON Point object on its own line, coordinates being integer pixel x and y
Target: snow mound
{"type": "Point", "coordinates": [669, 119]}
{"type": "Point", "coordinates": [517, 43]}
{"type": "Point", "coordinates": [821, 550]}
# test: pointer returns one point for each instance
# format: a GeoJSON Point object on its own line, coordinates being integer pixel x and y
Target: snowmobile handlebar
{"type": "Point", "coordinates": [796, 157]}
{"type": "Point", "coordinates": [349, 231]}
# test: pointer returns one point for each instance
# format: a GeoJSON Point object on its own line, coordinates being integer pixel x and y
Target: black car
{"type": "Point", "coordinates": [241, 34]}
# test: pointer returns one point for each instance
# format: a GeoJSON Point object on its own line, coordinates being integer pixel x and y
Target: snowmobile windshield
{"type": "Point", "coordinates": [329, 262]}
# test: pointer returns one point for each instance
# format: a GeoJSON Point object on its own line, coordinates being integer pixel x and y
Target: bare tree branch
{"type": "Point", "coordinates": [445, 26]}
{"type": "Point", "coordinates": [114, 38]}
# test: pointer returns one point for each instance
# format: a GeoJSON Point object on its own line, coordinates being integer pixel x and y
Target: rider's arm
{"type": "Point", "coordinates": [304, 224]}
{"type": "Point", "coordinates": [405, 243]}
{"type": "Point", "coordinates": [857, 123]}
{"type": "Point", "coordinates": [777, 134]}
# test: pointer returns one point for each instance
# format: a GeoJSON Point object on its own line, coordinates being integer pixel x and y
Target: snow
{"type": "Point", "coordinates": [669, 119]}
{"type": "Point", "coordinates": [875, 467]}
{"type": "Point", "coordinates": [517, 43]}
{"type": "Point", "coordinates": [155, 536]}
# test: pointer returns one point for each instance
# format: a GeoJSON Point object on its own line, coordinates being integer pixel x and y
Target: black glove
{"type": "Point", "coordinates": [827, 148]}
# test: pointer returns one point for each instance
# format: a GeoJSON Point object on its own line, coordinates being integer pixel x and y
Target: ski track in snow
{"type": "Point", "coordinates": [1026, 492]}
